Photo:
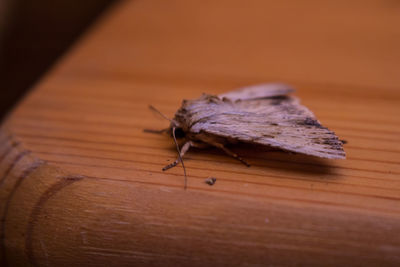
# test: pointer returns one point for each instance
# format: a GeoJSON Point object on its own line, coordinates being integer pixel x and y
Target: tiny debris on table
{"type": "Point", "coordinates": [211, 180]}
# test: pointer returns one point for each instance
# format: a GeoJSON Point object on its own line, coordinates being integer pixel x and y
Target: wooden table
{"type": "Point", "coordinates": [81, 183]}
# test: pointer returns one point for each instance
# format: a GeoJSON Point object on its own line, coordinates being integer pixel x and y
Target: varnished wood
{"type": "Point", "coordinates": [81, 183]}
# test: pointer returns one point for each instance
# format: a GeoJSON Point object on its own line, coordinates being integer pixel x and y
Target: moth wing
{"type": "Point", "coordinates": [279, 122]}
{"type": "Point", "coordinates": [258, 91]}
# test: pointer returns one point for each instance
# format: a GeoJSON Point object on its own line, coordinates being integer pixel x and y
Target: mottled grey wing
{"type": "Point", "coordinates": [277, 121]}
{"type": "Point", "coordinates": [258, 91]}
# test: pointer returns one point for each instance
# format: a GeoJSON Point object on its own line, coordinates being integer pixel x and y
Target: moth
{"type": "Point", "coordinates": [264, 115]}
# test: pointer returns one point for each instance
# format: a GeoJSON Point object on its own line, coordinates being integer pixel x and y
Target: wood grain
{"type": "Point", "coordinates": [81, 183]}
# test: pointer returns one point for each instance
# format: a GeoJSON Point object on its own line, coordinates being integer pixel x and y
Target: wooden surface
{"type": "Point", "coordinates": [81, 184]}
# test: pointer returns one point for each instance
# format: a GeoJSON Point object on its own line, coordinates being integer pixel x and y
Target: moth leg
{"type": "Point", "coordinates": [184, 149]}
{"type": "Point", "coordinates": [199, 144]}
{"type": "Point", "coordinates": [231, 153]}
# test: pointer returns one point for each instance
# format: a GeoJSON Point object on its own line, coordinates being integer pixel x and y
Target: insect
{"type": "Point", "coordinates": [262, 114]}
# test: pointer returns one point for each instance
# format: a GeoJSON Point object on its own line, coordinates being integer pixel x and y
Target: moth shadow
{"type": "Point", "coordinates": [287, 161]}
{"type": "Point", "coordinates": [278, 160]}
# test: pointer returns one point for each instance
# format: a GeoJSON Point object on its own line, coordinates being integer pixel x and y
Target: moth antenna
{"type": "Point", "coordinates": [159, 112]}
{"type": "Point", "coordinates": [179, 156]}
{"type": "Point", "coordinates": [155, 131]}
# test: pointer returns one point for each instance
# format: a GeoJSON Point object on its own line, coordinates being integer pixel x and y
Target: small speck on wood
{"type": "Point", "coordinates": [211, 180]}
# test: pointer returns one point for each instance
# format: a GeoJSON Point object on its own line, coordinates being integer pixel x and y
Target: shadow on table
{"type": "Point", "coordinates": [270, 158]}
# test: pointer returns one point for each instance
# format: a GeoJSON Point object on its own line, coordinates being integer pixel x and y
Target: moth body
{"type": "Point", "coordinates": [263, 115]}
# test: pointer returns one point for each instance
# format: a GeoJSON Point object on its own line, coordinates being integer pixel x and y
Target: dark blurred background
{"type": "Point", "coordinates": [33, 34]}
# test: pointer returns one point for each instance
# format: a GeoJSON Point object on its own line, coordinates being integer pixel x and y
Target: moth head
{"type": "Point", "coordinates": [176, 127]}
{"type": "Point", "coordinates": [179, 133]}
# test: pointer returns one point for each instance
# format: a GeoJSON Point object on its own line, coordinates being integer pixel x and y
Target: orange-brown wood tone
{"type": "Point", "coordinates": [81, 183]}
